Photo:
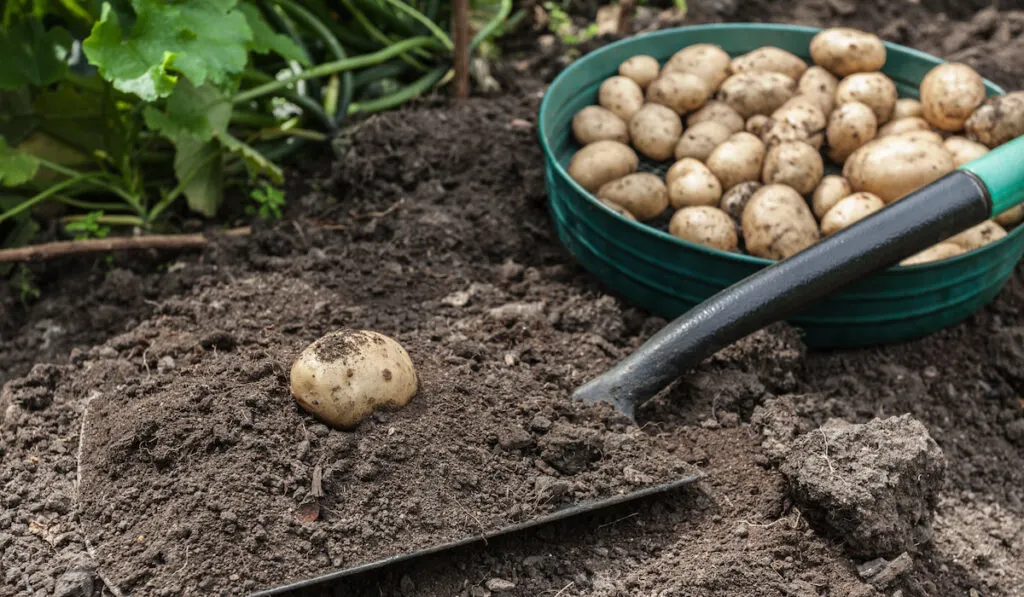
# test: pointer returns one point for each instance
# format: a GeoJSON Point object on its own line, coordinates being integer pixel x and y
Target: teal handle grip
{"type": "Point", "coordinates": [1002, 171]}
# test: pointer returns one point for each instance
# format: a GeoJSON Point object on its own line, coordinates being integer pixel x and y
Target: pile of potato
{"type": "Point", "coordinates": [748, 168]}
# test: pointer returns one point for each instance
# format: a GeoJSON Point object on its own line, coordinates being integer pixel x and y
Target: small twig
{"type": "Point", "coordinates": [626, 8]}
{"type": "Point", "coordinates": [377, 214]}
{"type": "Point", "coordinates": [480, 524]}
{"type": "Point", "coordinates": [68, 248]}
{"type": "Point", "coordinates": [460, 37]}
{"type": "Point", "coordinates": [564, 589]}
{"type": "Point", "coordinates": [626, 517]}
{"type": "Point", "coordinates": [831, 470]}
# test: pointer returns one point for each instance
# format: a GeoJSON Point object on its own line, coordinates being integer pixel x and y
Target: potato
{"type": "Point", "coordinates": [1011, 217]}
{"type": "Point", "coordinates": [907, 108]}
{"type": "Point", "coordinates": [893, 166]}
{"type": "Point", "coordinates": [769, 59]}
{"type": "Point", "coordinates": [820, 85]}
{"type": "Point", "coordinates": [756, 92]}
{"type": "Point", "coordinates": [934, 253]}
{"type": "Point", "coordinates": [621, 95]}
{"type": "Point", "coordinates": [736, 199]}
{"type": "Point", "coordinates": [708, 226]}
{"type": "Point", "coordinates": [719, 112]}
{"type": "Point", "coordinates": [998, 120]}
{"type": "Point", "coordinates": [799, 119]}
{"type": "Point", "coordinates": [709, 62]}
{"type": "Point", "coordinates": [655, 131]}
{"type": "Point", "coordinates": [795, 164]}
{"type": "Point", "coordinates": [777, 223]}
{"type": "Point", "coordinates": [850, 127]}
{"type": "Point", "coordinates": [622, 211]}
{"type": "Point", "coordinates": [874, 90]}
{"type": "Point", "coordinates": [595, 123]}
{"type": "Point", "coordinates": [843, 51]}
{"type": "Point", "coordinates": [848, 210]}
{"type": "Point", "coordinates": [904, 125]}
{"type": "Point", "coordinates": [923, 136]}
{"type": "Point", "coordinates": [692, 183]}
{"type": "Point", "coordinates": [683, 92]}
{"type": "Point", "coordinates": [601, 162]}
{"type": "Point", "coordinates": [978, 236]}
{"type": "Point", "coordinates": [642, 194]}
{"type": "Point", "coordinates": [830, 191]}
{"type": "Point", "coordinates": [757, 124]}
{"type": "Point", "coordinates": [950, 93]}
{"type": "Point", "coordinates": [642, 69]}
{"type": "Point", "coordinates": [345, 376]}
{"type": "Point", "coordinates": [964, 150]}
{"type": "Point", "coordinates": [737, 160]}
{"type": "Point", "coordinates": [698, 140]}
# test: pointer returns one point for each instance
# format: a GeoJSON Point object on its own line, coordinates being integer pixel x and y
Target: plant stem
{"type": "Point", "coordinates": [90, 205]}
{"type": "Point", "coordinates": [430, 25]}
{"type": "Point", "coordinates": [43, 196]}
{"type": "Point", "coordinates": [401, 96]}
{"type": "Point", "coordinates": [329, 68]}
{"type": "Point", "coordinates": [130, 199]}
{"type": "Point", "coordinates": [114, 220]}
{"type": "Point", "coordinates": [492, 26]}
{"type": "Point", "coordinates": [460, 30]}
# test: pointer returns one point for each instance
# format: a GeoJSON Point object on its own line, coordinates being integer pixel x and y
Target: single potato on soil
{"type": "Point", "coordinates": [621, 95]}
{"type": "Point", "coordinates": [849, 210]}
{"type": "Point", "coordinates": [737, 160]}
{"type": "Point", "coordinates": [655, 131]}
{"type": "Point", "coordinates": [642, 194]}
{"type": "Point", "coordinates": [756, 92]}
{"type": "Point", "coordinates": [950, 93]}
{"type": "Point", "coordinates": [704, 225]}
{"type": "Point", "coordinates": [691, 183]}
{"type": "Point", "coordinates": [643, 70]}
{"type": "Point", "coordinates": [894, 166]}
{"type": "Point", "coordinates": [794, 164]}
{"type": "Point", "coordinates": [844, 51]}
{"type": "Point", "coordinates": [345, 376]}
{"type": "Point", "coordinates": [850, 127]}
{"type": "Point", "coordinates": [998, 120]}
{"type": "Point", "coordinates": [777, 223]}
{"type": "Point", "coordinates": [595, 123]}
{"type": "Point", "coordinates": [602, 162]}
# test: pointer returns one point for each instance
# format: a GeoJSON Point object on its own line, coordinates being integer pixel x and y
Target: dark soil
{"type": "Point", "coordinates": [432, 228]}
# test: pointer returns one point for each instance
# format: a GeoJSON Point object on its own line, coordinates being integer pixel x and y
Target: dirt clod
{"type": "Point", "coordinates": [874, 485]}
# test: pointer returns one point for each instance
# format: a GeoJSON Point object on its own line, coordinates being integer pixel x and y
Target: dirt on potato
{"type": "Point", "coordinates": [162, 454]}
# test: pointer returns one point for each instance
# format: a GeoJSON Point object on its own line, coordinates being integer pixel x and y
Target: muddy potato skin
{"type": "Point", "coordinates": [777, 223]}
{"type": "Point", "coordinates": [643, 70]}
{"type": "Point", "coordinates": [595, 123]}
{"type": "Point", "coordinates": [707, 61]}
{"type": "Point", "coordinates": [978, 236]}
{"type": "Point", "coordinates": [820, 85]}
{"type": "Point", "coordinates": [700, 139]}
{"type": "Point", "coordinates": [642, 194]}
{"type": "Point", "coordinates": [769, 59]}
{"type": "Point", "coordinates": [874, 90]}
{"type": "Point", "coordinates": [683, 92]}
{"type": "Point", "coordinates": [737, 160]}
{"type": "Point", "coordinates": [964, 150]}
{"type": "Point", "coordinates": [998, 120]}
{"type": "Point", "coordinates": [602, 162]}
{"type": "Point", "coordinates": [737, 198]}
{"type": "Point", "coordinates": [756, 92]}
{"type": "Point", "coordinates": [850, 126]}
{"type": "Point", "coordinates": [704, 225]}
{"type": "Point", "coordinates": [893, 166]}
{"type": "Point", "coordinates": [617, 209]}
{"type": "Point", "coordinates": [795, 164]}
{"type": "Point", "coordinates": [1011, 217]}
{"type": "Point", "coordinates": [799, 119]}
{"type": "Point", "coordinates": [655, 131]}
{"type": "Point", "coordinates": [849, 210]}
{"type": "Point", "coordinates": [757, 124]}
{"type": "Point", "coordinates": [692, 184]}
{"type": "Point", "coordinates": [719, 112]}
{"type": "Point", "coordinates": [345, 376]}
{"type": "Point", "coordinates": [830, 191]}
{"type": "Point", "coordinates": [923, 136]}
{"type": "Point", "coordinates": [950, 93]}
{"type": "Point", "coordinates": [904, 125]}
{"type": "Point", "coordinates": [844, 51]}
{"type": "Point", "coordinates": [621, 95]}
{"type": "Point", "coordinates": [937, 252]}
{"type": "Point", "coordinates": [907, 107]}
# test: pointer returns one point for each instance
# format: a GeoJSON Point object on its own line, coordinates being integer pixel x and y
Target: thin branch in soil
{"type": "Point", "coordinates": [460, 34]}
{"type": "Point", "coordinates": [615, 522]}
{"type": "Point", "coordinates": [377, 214]}
{"type": "Point", "coordinates": [831, 470]}
{"type": "Point", "coordinates": [564, 589]}
{"type": "Point", "coordinates": [69, 248]}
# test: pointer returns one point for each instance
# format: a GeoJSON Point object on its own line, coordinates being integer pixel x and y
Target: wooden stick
{"type": "Point", "coordinates": [460, 37]}
{"type": "Point", "coordinates": [626, 8]}
{"type": "Point", "coordinates": [68, 248]}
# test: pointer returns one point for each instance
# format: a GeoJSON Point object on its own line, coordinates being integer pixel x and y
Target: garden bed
{"type": "Point", "coordinates": [433, 228]}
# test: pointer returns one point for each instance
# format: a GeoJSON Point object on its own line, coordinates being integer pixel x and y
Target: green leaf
{"type": "Point", "coordinates": [32, 55]}
{"type": "Point", "coordinates": [87, 120]}
{"type": "Point", "coordinates": [265, 39]}
{"type": "Point", "coordinates": [16, 168]}
{"type": "Point", "coordinates": [204, 40]}
{"type": "Point", "coordinates": [199, 167]}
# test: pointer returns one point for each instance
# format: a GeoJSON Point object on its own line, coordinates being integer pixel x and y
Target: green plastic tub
{"type": "Point", "coordinates": [668, 276]}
